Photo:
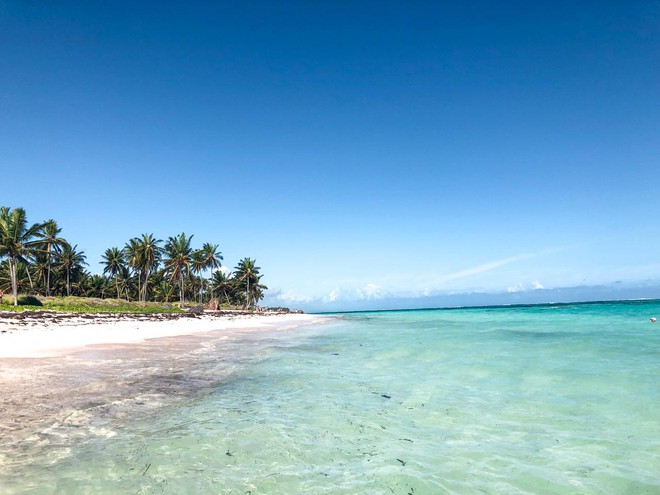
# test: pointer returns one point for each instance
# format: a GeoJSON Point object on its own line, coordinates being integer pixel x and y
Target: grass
{"type": "Point", "coordinates": [74, 304]}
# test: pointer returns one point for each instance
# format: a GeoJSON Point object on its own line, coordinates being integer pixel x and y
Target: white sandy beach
{"type": "Point", "coordinates": [44, 338]}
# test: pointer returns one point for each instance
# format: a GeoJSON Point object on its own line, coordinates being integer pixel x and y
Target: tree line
{"type": "Point", "coordinates": [36, 259]}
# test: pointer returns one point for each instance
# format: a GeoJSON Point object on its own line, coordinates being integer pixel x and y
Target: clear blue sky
{"type": "Point", "coordinates": [362, 152]}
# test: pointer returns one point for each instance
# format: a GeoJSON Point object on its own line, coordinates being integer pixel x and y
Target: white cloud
{"type": "Point", "coordinates": [332, 296]}
{"type": "Point", "coordinates": [292, 297]}
{"type": "Point", "coordinates": [536, 285]}
{"type": "Point", "coordinates": [370, 291]}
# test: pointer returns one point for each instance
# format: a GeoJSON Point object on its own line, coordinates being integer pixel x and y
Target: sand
{"type": "Point", "coordinates": [53, 336]}
{"type": "Point", "coordinates": [65, 377]}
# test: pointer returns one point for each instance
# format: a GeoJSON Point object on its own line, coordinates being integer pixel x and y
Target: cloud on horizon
{"type": "Point", "coordinates": [533, 294]}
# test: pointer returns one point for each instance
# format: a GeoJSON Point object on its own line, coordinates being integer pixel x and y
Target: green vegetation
{"type": "Point", "coordinates": [35, 260]}
{"type": "Point", "coordinates": [75, 304]}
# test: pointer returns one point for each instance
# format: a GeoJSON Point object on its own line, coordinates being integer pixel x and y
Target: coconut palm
{"type": "Point", "coordinates": [22, 280]}
{"type": "Point", "coordinates": [69, 259]}
{"type": "Point", "coordinates": [165, 291]}
{"type": "Point", "coordinates": [149, 255]}
{"type": "Point", "coordinates": [40, 270]}
{"type": "Point", "coordinates": [206, 258]}
{"type": "Point", "coordinates": [125, 282]}
{"type": "Point", "coordinates": [113, 260]}
{"type": "Point", "coordinates": [211, 256]}
{"type": "Point", "coordinates": [197, 267]}
{"type": "Point", "coordinates": [50, 241]}
{"type": "Point", "coordinates": [17, 241]}
{"type": "Point", "coordinates": [80, 281]}
{"type": "Point", "coordinates": [222, 284]}
{"type": "Point", "coordinates": [178, 260]}
{"type": "Point", "coordinates": [258, 291]}
{"type": "Point", "coordinates": [131, 254]}
{"type": "Point", "coordinates": [98, 286]}
{"type": "Point", "coordinates": [247, 275]}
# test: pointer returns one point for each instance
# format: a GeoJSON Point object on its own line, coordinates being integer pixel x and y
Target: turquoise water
{"type": "Point", "coordinates": [540, 400]}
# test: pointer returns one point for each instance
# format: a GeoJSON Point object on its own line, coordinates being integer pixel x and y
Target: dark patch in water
{"type": "Point", "coordinates": [537, 335]}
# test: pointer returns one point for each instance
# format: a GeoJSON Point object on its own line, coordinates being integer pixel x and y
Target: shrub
{"type": "Point", "coordinates": [29, 301]}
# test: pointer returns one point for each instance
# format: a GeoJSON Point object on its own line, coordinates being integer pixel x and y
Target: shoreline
{"type": "Point", "coordinates": [50, 334]}
{"type": "Point", "coordinates": [83, 375]}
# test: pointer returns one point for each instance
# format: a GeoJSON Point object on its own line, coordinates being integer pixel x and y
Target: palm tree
{"type": "Point", "coordinates": [70, 259]}
{"type": "Point", "coordinates": [198, 265]}
{"type": "Point", "coordinates": [80, 282]}
{"type": "Point", "coordinates": [211, 256]}
{"type": "Point", "coordinates": [50, 241]}
{"type": "Point", "coordinates": [114, 264]}
{"type": "Point", "coordinates": [98, 286]}
{"type": "Point", "coordinates": [149, 255]}
{"type": "Point", "coordinates": [247, 274]}
{"type": "Point", "coordinates": [132, 257]}
{"type": "Point", "coordinates": [17, 241]}
{"type": "Point", "coordinates": [125, 282]}
{"type": "Point", "coordinates": [258, 291]}
{"type": "Point", "coordinates": [40, 269]}
{"type": "Point", "coordinates": [22, 280]}
{"type": "Point", "coordinates": [178, 261]}
{"type": "Point", "coordinates": [221, 283]}
{"type": "Point", "coordinates": [165, 291]}
{"type": "Point", "coordinates": [203, 259]}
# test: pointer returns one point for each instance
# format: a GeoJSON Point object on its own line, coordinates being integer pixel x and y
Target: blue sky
{"type": "Point", "coordinates": [367, 154]}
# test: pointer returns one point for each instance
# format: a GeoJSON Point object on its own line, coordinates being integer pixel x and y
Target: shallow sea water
{"type": "Point", "coordinates": [521, 400]}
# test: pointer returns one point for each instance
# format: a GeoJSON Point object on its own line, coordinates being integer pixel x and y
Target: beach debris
{"type": "Point", "coordinates": [406, 440]}
{"type": "Point", "coordinates": [195, 310]}
{"type": "Point", "coordinates": [386, 396]}
{"type": "Point", "coordinates": [146, 468]}
{"type": "Point", "coordinates": [230, 454]}
{"type": "Point", "coordinates": [403, 463]}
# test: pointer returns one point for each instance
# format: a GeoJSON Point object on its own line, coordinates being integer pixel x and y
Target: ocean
{"type": "Point", "coordinates": [546, 399]}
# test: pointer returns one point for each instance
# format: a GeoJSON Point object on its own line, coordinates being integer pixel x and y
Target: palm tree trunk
{"type": "Point", "coordinates": [181, 290]}
{"type": "Point", "coordinates": [117, 285]}
{"type": "Point", "coordinates": [27, 269]}
{"type": "Point", "coordinates": [68, 283]}
{"type": "Point", "coordinates": [48, 275]}
{"type": "Point", "coordinates": [14, 284]}
{"type": "Point", "coordinates": [144, 288]}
